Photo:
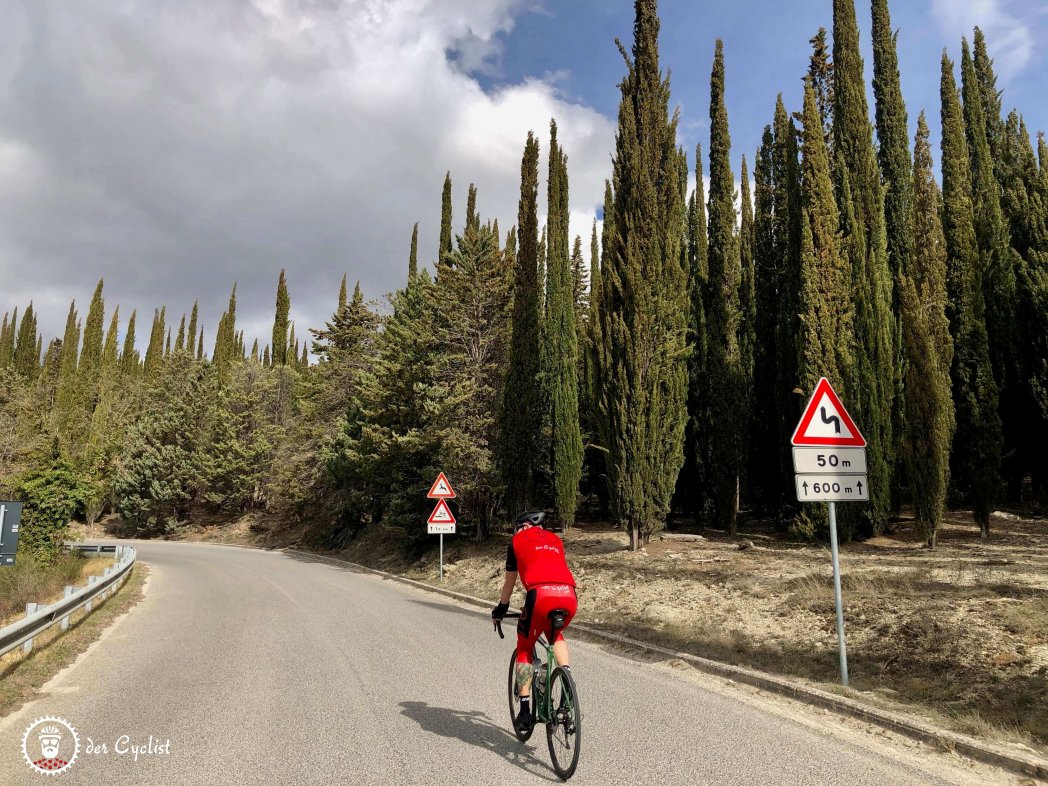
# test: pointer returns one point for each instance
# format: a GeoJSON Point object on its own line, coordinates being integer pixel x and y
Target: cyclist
{"type": "Point", "coordinates": [537, 556]}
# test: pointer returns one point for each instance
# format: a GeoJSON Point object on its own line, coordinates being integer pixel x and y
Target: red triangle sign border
{"type": "Point", "coordinates": [443, 509]}
{"type": "Point", "coordinates": [435, 493]}
{"type": "Point", "coordinates": [825, 388]}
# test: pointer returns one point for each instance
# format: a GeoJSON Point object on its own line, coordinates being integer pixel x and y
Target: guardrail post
{"type": "Point", "coordinates": [30, 610]}
{"type": "Point", "coordinates": [69, 590]}
{"type": "Point", "coordinates": [90, 603]}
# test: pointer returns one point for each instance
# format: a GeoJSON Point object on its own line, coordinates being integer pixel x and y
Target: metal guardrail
{"type": "Point", "coordinates": [40, 617]}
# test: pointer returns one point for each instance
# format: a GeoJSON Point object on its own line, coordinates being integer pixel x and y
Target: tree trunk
{"type": "Point", "coordinates": [985, 533]}
{"type": "Point", "coordinates": [932, 537]}
{"type": "Point", "coordinates": [634, 537]}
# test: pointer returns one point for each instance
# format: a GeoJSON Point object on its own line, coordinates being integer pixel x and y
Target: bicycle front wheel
{"type": "Point", "coordinates": [564, 729]}
{"type": "Point", "coordinates": [514, 702]}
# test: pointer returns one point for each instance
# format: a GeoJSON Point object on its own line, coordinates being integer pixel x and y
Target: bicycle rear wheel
{"type": "Point", "coordinates": [564, 729]}
{"type": "Point", "coordinates": [514, 702]}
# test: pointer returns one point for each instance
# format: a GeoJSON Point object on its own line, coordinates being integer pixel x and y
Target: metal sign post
{"type": "Point", "coordinates": [829, 459]}
{"type": "Point", "coordinates": [441, 521]}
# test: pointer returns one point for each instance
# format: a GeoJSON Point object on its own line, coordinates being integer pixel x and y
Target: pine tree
{"type": "Point", "coordinates": [129, 360]}
{"type": "Point", "coordinates": [826, 317]}
{"type": "Point", "coordinates": [644, 302]}
{"type": "Point", "coordinates": [155, 350]}
{"type": "Point", "coordinates": [976, 456]}
{"type": "Point", "coordinates": [727, 407]}
{"type": "Point", "coordinates": [929, 422]}
{"type": "Point", "coordinates": [445, 220]}
{"type": "Point", "coordinates": [561, 330]}
{"type": "Point", "coordinates": [522, 401]}
{"type": "Point", "coordinates": [412, 255]}
{"type": "Point", "coordinates": [280, 323]}
{"type": "Point", "coordinates": [871, 394]}
{"type": "Point", "coordinates": [998, 264]}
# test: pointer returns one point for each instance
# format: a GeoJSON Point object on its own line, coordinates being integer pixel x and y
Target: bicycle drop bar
{"type": "Point", "coordinates": [507, 615]}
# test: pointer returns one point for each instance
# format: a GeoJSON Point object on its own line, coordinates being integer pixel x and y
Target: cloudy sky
{"type": "Point", "coordinates": [177, 146]}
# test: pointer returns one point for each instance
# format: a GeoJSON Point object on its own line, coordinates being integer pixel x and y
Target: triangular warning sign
{"type": "Point", "coordinates": [441, 514]}
{"type": "Point", "coordinates": [826, 422]}
{"type": "Point", "coordinates": [441, 488]}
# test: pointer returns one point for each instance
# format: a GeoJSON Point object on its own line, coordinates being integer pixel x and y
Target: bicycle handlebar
{"type": "Point", "coordinates": [507, 615]}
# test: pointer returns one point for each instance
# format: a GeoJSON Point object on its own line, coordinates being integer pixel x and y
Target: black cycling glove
{"type": "Point", "coordinates": [499, 611]}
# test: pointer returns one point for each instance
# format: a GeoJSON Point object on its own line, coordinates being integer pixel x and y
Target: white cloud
{"type": "Point", "coordinates": [177, 147]}
{"type": "Point", "coordinates": [1009, 38]}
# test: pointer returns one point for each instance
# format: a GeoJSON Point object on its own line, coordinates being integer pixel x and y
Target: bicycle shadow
{"type": "Point", "coordinates": [476, 728]}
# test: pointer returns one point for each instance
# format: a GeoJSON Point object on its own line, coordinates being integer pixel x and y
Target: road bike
{"type": "Point", "coordinates": [555, 700]}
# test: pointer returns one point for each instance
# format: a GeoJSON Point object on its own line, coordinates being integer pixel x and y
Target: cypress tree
{"type": "Point", "coordinates": [226, 338]}
{"type": "Point", "coordinates": [727, 407]}
{"type": "Point", "coordinates": [896, 171]}
{"type": "Point", "coordinates": [472, 219]}
{"type": "Point", "coordinates": [254, 351]}
{"type": "Point", "coordinates": [303, 362]}
{"type": "Point", "coordinates": [998, 266]}
{"type": "Point", "coordinates": [820, 73]}
{"type": "Point", "coordinates": [26, 352]}
{"type": "Point", "coordinates": [976, 457]}
{"type": "Point", "coordinates": [929, 422]}
{"type": "Point", "coordinates": [787, 210]}
{"type": "Point", "coordinates": [542, 276]}
{"type": "Point", "coordinates": [644, 303]}
{"type": "Point", "coordinates": [267, 359]}
{"type": "Point", "coordinates": [67, 376]}
{"type": "Point", "coordinates": [91, 355]}
{"type": "Point", "coordinates": [280, 323]}
{"type": "Point", "coordinates": [167, 345]}
{"type": "Point", "coordinates": [694, 482]}
{"type": "Point", "coordinates": [155, 350]}
{"type": "Point", "coordinates": [747, 302]}
{"type": "Point", "coordinates": [826, 317]}
{"type": "Point", "coordinates": [412, 255]}
{"type": "Point", "coordinates": [129, 357]}
{"type": "Point", "coordinates": [990, 101]}
{"type": "Point", "coordinates": [109, 351]}
{"type": "Point", "coordinates": [180, 338]}
{"type": "Point", "coordinates": [871, 393]}
{"type": "Point", "coordinates": [200, 346]}
{"type": "Point", "coordinates": [191, 331]}
{"type": "Point", "coordinates": [764, 456]}
{"type": "Point", "coordinates": [562, 334]}
{"type": "Point", "coordinates": [445, 219]}
{"type": "Point", "coordinates": [522, 400]}
{"type": "Point", "coordinates": [290, 351]}
{"type": "Point", "coordinates": [342, 300]}
{"type": "Point", "coordinates": [7, 340]}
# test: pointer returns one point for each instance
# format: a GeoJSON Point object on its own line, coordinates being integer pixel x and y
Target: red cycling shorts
{"type": "Point", "coordinates": [534, 617]}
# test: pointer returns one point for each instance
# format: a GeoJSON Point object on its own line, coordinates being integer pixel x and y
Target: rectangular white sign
{"type": "Point", "coordinates": [830, 461]}
{"type": "Point", "coordinates": [441, 529]}
{"type": "Point", "coordinates": [832, 488]}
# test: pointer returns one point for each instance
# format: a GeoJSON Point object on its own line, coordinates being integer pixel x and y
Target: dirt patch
{"type": "Point", "coordinates": [959, 634]}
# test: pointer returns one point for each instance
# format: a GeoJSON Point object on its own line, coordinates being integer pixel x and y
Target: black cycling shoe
{"type": "Point", "coordinates": [524, 722]}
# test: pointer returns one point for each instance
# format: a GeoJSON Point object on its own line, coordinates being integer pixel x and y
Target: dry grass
{"type": "Point", "coordinates": [27, 582]}
{"type": "Point", "coordinates": [21, 676]}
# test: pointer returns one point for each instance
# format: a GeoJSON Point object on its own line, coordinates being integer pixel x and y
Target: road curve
{"type": "Point", "coordinates": [271, 668]}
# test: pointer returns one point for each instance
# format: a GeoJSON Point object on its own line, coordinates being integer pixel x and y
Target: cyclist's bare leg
{"type": "Point", "coordinates": [560, 652]}
{"type": "Point", "coordinates": [523, 676]}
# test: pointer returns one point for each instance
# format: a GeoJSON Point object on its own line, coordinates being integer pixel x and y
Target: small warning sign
{"type": "Point", "coordinates": [441, 514]}
{"type": "Point", "coordinates": [826, 422]}
{"type": "Point", "coordinates": [441, 488]}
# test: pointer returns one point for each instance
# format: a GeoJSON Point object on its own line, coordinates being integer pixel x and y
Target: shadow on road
{"type": "Point", "coordinates": [476, 728]}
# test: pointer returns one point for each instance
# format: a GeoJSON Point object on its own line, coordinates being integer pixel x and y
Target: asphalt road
{"type": "Point", "coordinates": [269, 668]}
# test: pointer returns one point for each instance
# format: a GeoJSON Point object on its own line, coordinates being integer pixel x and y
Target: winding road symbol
{"type": "Point", "coordinates": [836, 421]}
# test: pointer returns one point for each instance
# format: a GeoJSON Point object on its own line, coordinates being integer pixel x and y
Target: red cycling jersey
{"type": "Point", "coordinates": [538, 556]}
